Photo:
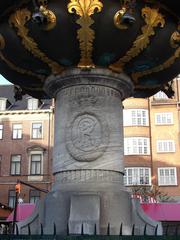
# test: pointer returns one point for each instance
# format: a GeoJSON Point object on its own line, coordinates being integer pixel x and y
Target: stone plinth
{"type": "Point", "coordinates": [88, 157]}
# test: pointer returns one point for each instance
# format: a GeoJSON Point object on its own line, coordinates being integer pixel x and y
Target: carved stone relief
{"type": "Point", "coordinates": [87, 136]}
{"type": "Point", "coordinates": [88, 176]}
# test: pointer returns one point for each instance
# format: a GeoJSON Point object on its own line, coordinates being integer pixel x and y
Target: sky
{"type": "Point", "coordinates": [3, 81]}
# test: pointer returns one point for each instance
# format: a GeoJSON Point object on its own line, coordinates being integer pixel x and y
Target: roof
{"type": "Point", "coordinates": [8, 91]}
{"type": "Point", "coordinates": [162, 211]}
{"type": "Point", "coordinates": [24, 210]}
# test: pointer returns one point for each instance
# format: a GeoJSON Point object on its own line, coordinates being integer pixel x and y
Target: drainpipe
{"type": "Point", "coordinates": [150, 135]}
{"type": "Point", "coordinates": [50, 132]}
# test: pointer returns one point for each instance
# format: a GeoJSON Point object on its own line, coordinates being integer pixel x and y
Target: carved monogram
{"type": "Point", "coordinates": [87, 137]}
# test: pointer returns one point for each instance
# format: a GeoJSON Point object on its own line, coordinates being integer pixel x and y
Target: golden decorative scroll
{"type": "Point", "coordinates": [153, 19]}
{"type": "Point", "coordinates": [85, 35]}
{"type": "Point", "coordinates": [13, 66]}
{"type": "Point", "coordinates": [19, 19]}
{"type": "Point", "coordinates": [2, 42]}
{"type": "Point", "coordinates": [161, 67]}
{"type": "Point", "coordinates": [118, 19]}
{"type": "Point", "coordinates": [175, 38]}
{"type": "Point", "coordinates": [50, 16]}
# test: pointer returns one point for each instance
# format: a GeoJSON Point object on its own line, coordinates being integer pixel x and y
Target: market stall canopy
{"type": "Point", "coordinates": [24, 210]}
{"type": "Point", "coordinates": [162, 211]}
{"type": "Point", "coordinates": [156, 211]}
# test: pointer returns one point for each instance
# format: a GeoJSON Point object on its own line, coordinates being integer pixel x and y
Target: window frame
{"type": "Point", "coordinates": [16, 129]}
{"type": "Point", "coordinates": [41, 164]}
{"type": "Point", "coordinates": [3, 108]}
{"type": "Point", "coordinates": [128, 117]}
{"type": "Point", "coordinates": [138, 177]}
{"type": "Point", "coordinates": [135, 144]}
{"type": "Point", "coordinates": [14, 197]}
{"type": "Point", "coordinates": [34, 196]}
{"type": "Point", "coordinates": [160, 96]}
{"type": "Point", "coordinates": [30, 104]}
{"type": "Point", "coordinates": [167, 184]}
{"type": "Point", "coordinates": [1, 131]}
{"type": "Point", "coordinates": [32, 130]}
{"type": "Point", "coordinates": [161, 118]}
{"type": "Point", "coordinates": [163, 142]}
{"type": "Point", "coordinates": [19, 162]}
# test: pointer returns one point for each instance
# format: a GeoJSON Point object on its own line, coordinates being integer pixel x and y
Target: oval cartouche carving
{"type": "Point", "coordinates": [87, 137]}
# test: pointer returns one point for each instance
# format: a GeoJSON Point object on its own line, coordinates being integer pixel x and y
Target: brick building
{"type": "Point", "coordinates": [152, 142]}
{"type": "Point", "coordinates": [26, 133]}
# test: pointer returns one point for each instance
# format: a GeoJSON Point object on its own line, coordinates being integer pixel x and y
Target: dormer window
{"type": "Point", "coordinates": [160, 95]}
{"type": "Point", "coordinates": [3, 102]}
{"type": "Point", "coordinates": [32, 104]}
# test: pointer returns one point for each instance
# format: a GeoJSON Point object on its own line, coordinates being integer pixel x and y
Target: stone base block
{"type": "Point", "coordinates": [75, 211]}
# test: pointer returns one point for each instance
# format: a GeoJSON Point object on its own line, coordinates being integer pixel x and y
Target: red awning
{"type": "Point", "coordinates": [162, 211]}
{"type": "Point", "coordinates": [24, 210]}
{"type": "Point", "coordinates": [156, 211]}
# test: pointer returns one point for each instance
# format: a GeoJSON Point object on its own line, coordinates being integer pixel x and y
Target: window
{"type": "Point", "coordinates": [137, 176]}
{"type": "Point", "coordinates": [3, 104]}
{"type": "Point", "coordinates": [15, 164]}
{"type": "Point", "coordinates": [17, 131]}
{"type": "Point", "coordinates": [1, 131]}
{"type": "Point", "coordinates": [167, 176]}
{"type": "Point", "coordinates": [136, 146]}
{"type": "Point", "coordinates": [34, 196]}
{"type": "Point", "coordinates": [12, 198]}
{"type": "Point", "coordinates": [165, 146]}
{"type": "Point", "coordinates": [164, 118]}
{"type": "Point", "coordinates": [135, 117]}
{"type": "Point", "coordinates": [37, 130]}
{"type": "Point", "coordinates": [35, 165]}
{"type": "Point", "coordinates": [32, 104]}
{"type": "Point", "coordinates": [160, 95]}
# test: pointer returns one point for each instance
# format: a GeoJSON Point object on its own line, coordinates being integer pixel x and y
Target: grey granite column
{"type": "Point", "coordinates": [88, 145]}
{"type": "Point", "coordinates": [88, 158]}
{"type": "Point", "coordinates": [88, 120]}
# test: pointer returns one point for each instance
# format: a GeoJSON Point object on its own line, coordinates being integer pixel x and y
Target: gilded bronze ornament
{"type": "Point", "coordinates": [2, 42]}
{"type": "Point", "coordinates": [50, 18]}
{"type": "Point", "coordinates": [85, 35]}
{"type": "Point", "coordinates": [161, 67]}
{"type": "Point", "coordinates": [43, 16]}
{"type": "Point", "coordinates": [175, 38]}
{"type": "Point", "coordinates": [13, 66]}
{"type": "Point", "coordinates": [118, 19]}
{"type": "Point", "coordinates": [19, 20]}
{"type": "Point", "coordinates": [170, 61]}
{"type": "Point", "coordinates": [123, 19]}
{"type": "Point", "coordinates": [153, 19]}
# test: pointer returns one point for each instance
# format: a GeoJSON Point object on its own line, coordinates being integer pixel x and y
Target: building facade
{"type": "Point", "coordinates": [152, 142]}
{"type": "Point", "coordinates": [26, 133]}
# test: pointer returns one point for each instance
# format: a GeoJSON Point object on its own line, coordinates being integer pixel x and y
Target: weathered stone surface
{"type": "Point", "coordinates": [88, 157]}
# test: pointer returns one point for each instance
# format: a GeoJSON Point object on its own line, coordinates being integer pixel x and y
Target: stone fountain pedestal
{"type": "Point", "coordinates": [88, 158]}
